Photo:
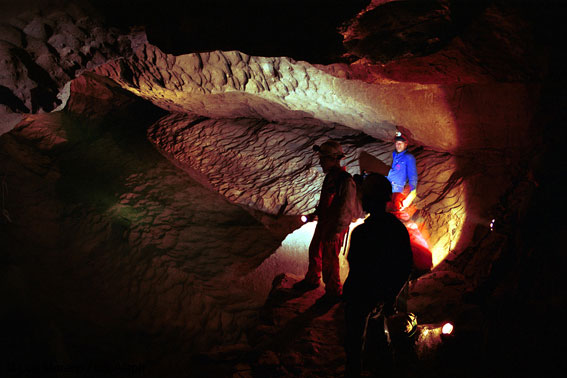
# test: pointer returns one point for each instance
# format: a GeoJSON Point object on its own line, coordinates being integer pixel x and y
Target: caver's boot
{"type": "Point", "coordinates": [306, 285]}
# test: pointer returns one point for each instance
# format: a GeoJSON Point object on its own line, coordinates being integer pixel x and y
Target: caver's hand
{"type": "Point", "coordinates": [409, 199]}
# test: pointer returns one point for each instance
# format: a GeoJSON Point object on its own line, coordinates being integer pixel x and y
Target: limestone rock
{"type": "Point", "coordinates": [111, 252]}
{"type": "Point", "coordinates": [126, 235]}
{"type": "Point", "coordinates": [42, 49]}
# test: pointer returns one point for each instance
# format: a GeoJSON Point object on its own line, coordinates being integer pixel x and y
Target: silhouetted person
{"type": "Point", "coordinates": [335, 212]}
{"type": "Point", "coordinates": [380, 261]}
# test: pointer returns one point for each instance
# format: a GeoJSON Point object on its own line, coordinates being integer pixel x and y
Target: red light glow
{"type": "Point", "coordinates": [422, 256]}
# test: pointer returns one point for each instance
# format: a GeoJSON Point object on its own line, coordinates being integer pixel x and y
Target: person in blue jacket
{"type": "Point", "coordinates": [403, 172]}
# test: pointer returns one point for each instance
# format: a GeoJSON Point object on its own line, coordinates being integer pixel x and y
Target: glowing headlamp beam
{"type": "Point", "coordinates": [447, 329]}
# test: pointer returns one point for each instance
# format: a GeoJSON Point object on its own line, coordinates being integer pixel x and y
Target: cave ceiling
{"type": "Point", "coordinates": [372, 66]}
{"type": "Point", "coordinates": [460, 78]}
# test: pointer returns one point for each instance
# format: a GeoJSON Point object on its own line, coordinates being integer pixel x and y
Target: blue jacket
{"type": "Point", "coordinates": [403, 170]}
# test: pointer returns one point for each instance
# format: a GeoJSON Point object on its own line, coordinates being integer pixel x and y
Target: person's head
{"type": "Point", "coordinates": [376, 192]}
{"type": "Point", "coordinates": [330, 154]}
{"type": "Point", "coordinates": [400, 142]}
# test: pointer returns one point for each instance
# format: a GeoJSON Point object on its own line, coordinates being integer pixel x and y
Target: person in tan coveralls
{"type": "Point", "coordinates": [336, 209]}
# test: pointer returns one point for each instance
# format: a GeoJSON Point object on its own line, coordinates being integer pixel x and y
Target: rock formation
{"type": "Point", "coordinates": [45, 47]}
{"type": "Point", "coordinates": [151, 170]}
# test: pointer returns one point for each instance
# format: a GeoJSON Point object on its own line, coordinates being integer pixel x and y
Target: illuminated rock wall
{"type": "Point", "coordinates": [444, 107]}
{"type": "Point", "coordinates": [132, 251]}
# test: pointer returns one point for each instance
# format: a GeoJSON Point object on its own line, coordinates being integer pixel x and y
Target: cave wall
{"type": "Point", "coordinates": [113, 249]}
{"type": "Point", "coordinates": [474, 86]}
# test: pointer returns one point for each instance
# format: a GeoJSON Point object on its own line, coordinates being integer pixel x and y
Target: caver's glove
{"type": "Point", "coordinates": [409, 199]}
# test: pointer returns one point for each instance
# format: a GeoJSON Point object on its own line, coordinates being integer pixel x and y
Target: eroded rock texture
{"type": "Point", "coordinates": [444, 116]}
{"type": "Point", "coordinates": [271, 167]}
{"type": "Point", "coordinates": [44, 48]}
{"type": "Point", "coordinates": [131, 244]}
{"type": "Point", "coordinates": [138, 221]}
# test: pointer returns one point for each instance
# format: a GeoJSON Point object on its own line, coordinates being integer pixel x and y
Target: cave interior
{"type": "Point", "coordinates": [156, 157]}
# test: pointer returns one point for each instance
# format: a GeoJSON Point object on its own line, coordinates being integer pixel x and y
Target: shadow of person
{"type": "Point", "coordinates": [296, 326]}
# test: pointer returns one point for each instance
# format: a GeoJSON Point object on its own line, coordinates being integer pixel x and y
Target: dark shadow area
{"type": "Point", "coordinates": [44, 333]}
{"type": "Point", "coordinates": [72, 285]}
{"type": "Point", "coordinates": [520, 299]}
{"type": "Point", "coordinates": [300, 29]}
{"type": "Point", "coordinates": [44, 96]}
{"type": "Point", "coordinates": [8, 98]}
{"type": "Point", "coordinates": [400, 28]}
{"type": "Point", "coordinates": [103, 151]}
